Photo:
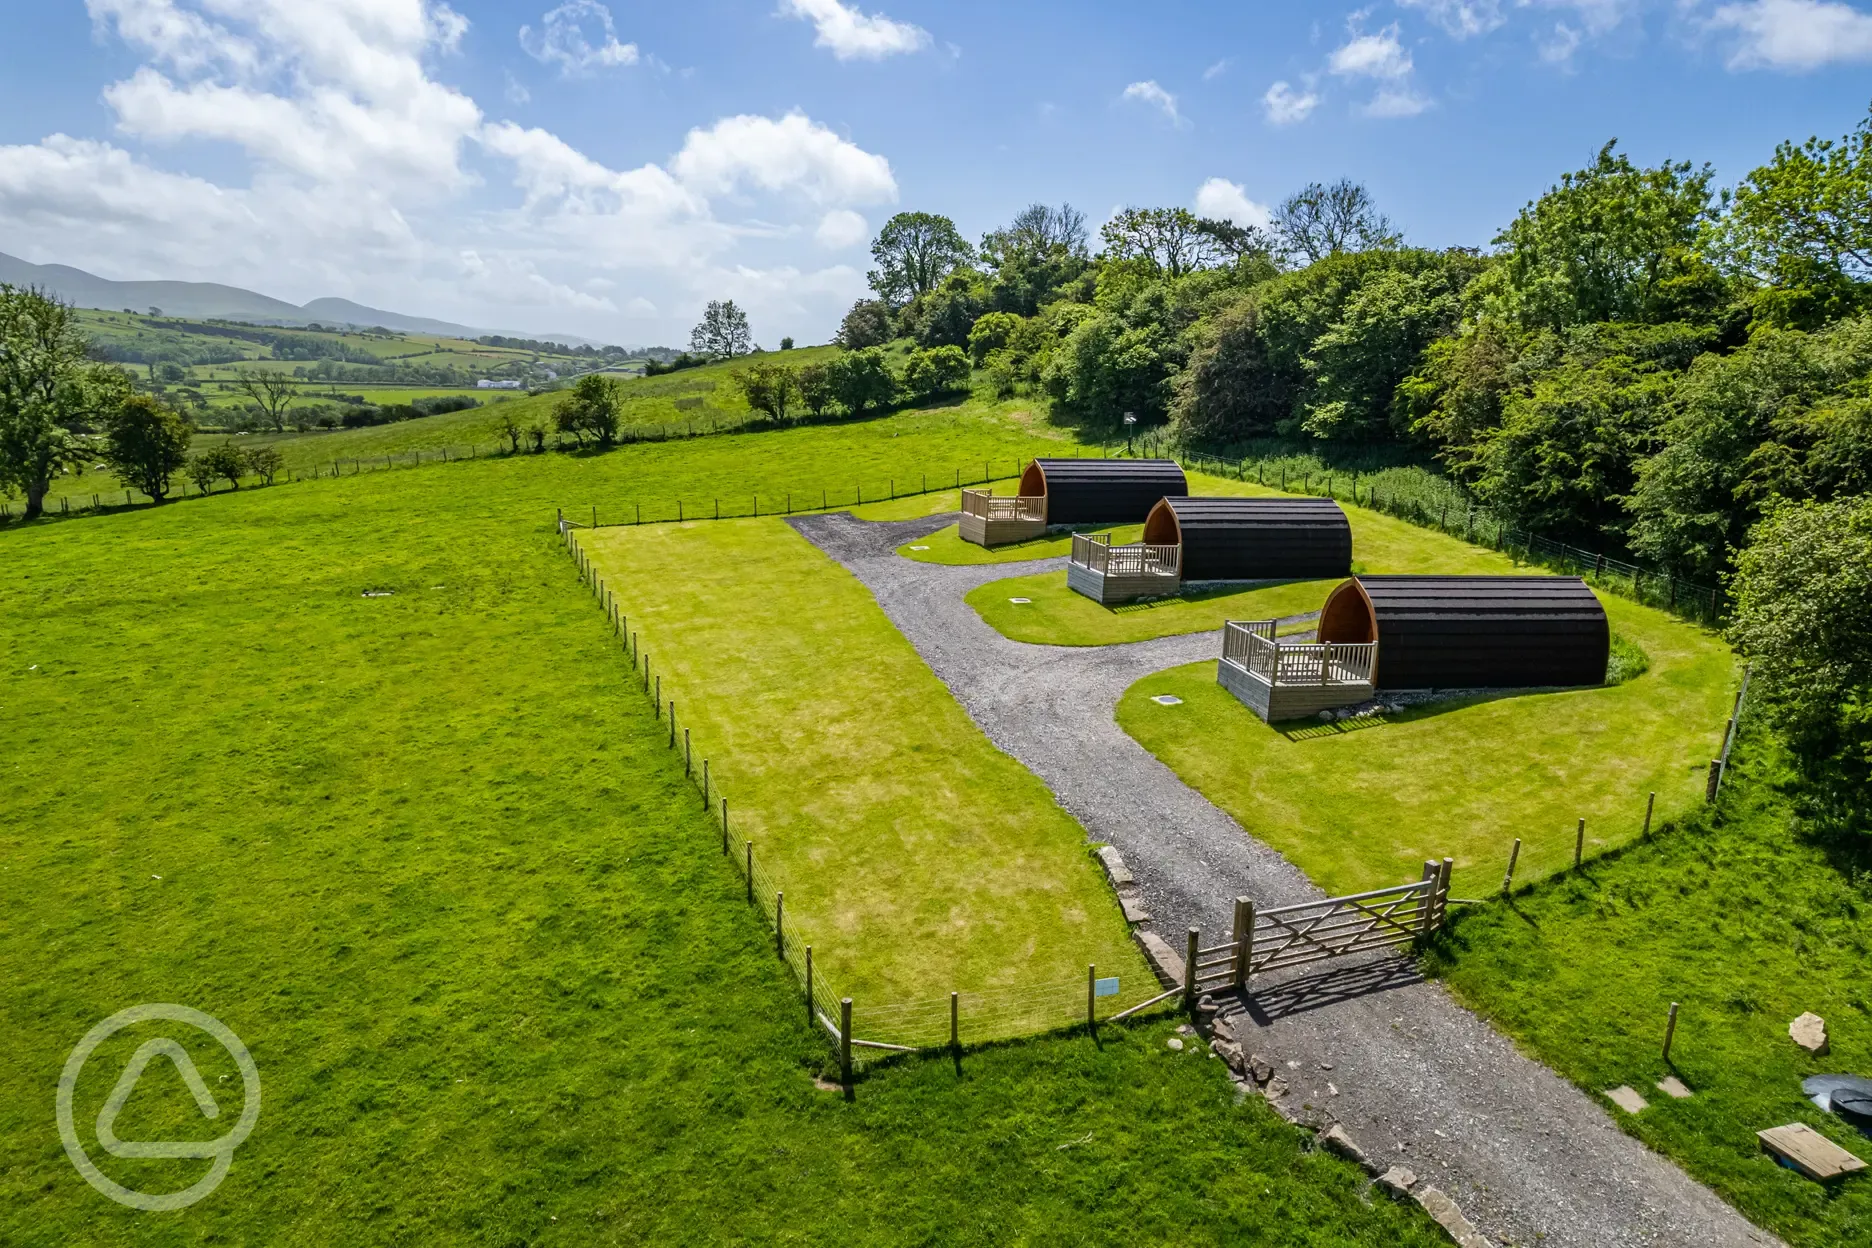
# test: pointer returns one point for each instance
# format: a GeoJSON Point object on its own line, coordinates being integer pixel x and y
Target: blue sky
{"type": "Point", "coordinates": [606, 170]}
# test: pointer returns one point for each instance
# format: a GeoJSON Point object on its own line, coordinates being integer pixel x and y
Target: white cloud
{"type": "Point", "coordinates": [516, 92]}
{"type": "Point", "coordinates": [355, 172]}
{"type": "Point", "coordinates": [1378, 56]}
{"type": "Point", "coordinates": [1148, 92]}
{"type": "Point", "coordinates": [562, 40]}
{"type": "Point", "coordinates": [842, 228]}
{"type": "Point", "coordinates": [1284, 106]}
{"type": "Point", "coordinates": [793, 154]}
{"type": "Point", "coordinates": [1395, 102]}
{"type": "Point", "coordinates": [1558, 46]}
{"type": "Point", "coordinates": [1219, 68]}
{"type": "Point", "coordinates": [1795, 35]}
{"type": "Point", "coordinates": [1228, 201]}
{"type": "Point", "coordinates": [1461, 19]}
{"type": "Point", "coordinates": [853, 35]}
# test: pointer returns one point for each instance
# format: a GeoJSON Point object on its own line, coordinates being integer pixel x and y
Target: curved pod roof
{"type": "Point", "coordinates": [1473, 631]}
{"type": "Point", "coordinates": [1248, 539]}
{"type": "Point", "coordinates": [1102, 491]}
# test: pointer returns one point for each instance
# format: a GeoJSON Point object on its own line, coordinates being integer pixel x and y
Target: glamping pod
{"type": "Point", "coordinates": [1253, 539]}
{"type": "Point", "coordinates": [1101, 491]}
{"type": "Point", "coordinates": [1472, 631]}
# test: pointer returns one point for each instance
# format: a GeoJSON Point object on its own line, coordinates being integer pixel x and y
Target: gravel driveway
{"type": "Point", "coordinates": [1415, 1078]}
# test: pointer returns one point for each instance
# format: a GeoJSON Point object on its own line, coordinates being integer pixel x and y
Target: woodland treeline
{"type": "Point", "coordinates": [1642, 362]}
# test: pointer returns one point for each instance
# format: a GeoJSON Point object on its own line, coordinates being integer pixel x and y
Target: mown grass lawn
{"type": "Point", "coordinates": [429, 856]}
{"type": "Point", "coordinates": [1362, 804]}
{"type": "Point", "coordinates": [915, 856]}
{"type": "Point", "coordinates": [1055, 615]}
{"type": "Point", "coordinates": [1744, 917]}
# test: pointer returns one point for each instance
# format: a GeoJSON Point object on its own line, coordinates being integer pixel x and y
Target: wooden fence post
{"type": "Point", "coordinates": [672, 729]}
{"type": "Point", "coordinates": [1715, 780]}
{"type": "Point", "coordinates": [1091, 996]}
{"type": "Point", "coordinates": [724, 827]}
{"type": "Point", "coordinates": [705, 782]}
{"type": "Point", "coordinates": [955, 1020]}
{"type": "Point", "coordinates": [750, 872]}
{"type": "Point", "coordinates": [1579, 843]}
{"type": "Point", "coordinates": [687, 753]}
{"type": "Point", "coordinates": [1507, 882]}
{"type": "Point", "coordinates": [845, 1039]}
{"type": "Point", "coordinates": [1649, 806]}
{"type": "Point", "coordinates": [1432, 869]}
{"type": "Point", "coordinates": [1244, 939]}
{"type": "Point", "coordinates": [1189, 971]}
{"type": "Point", "coordinates": [810, 1011]}
{"type": "Point", "coordinates": [659, 689]}
{"type": "Point", "coordinates": [1670, 1032]}
{"type": "Point", "coordinates": [1443, 881]}
{"type": "Point", "coordinates": [779, 928]}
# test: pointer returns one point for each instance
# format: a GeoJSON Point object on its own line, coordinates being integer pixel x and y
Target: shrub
{"type": "Point", "coordinates": [769, 388]}
{"type": "Point", "coordinates": [862, 380]}
{"type": "Point", "coordinates": [146, 443]}
{"type": "Point", "coordinates": [936, 370]}
{"type": "Point", "coordinates": [264, 462]}
{"type": "Point", "coordinates": [1627, 661]}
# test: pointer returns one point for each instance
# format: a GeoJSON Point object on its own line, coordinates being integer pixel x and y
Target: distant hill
{"type": "Point", "coordinates": [202, 301]}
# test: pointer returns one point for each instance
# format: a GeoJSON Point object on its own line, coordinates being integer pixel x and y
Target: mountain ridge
{"type": "Point", "coordinates": [213, 301]}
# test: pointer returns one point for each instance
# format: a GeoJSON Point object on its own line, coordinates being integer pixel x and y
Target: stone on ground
{"type": "Point", "coordinates": [1627, 1099]}
{"type": "Point", "coordinates": [1809, 1031]}
{"type": "Point", "coordinates": [1398, 1181]}
{"type": "Point", "coordinates": [1675, 1088]}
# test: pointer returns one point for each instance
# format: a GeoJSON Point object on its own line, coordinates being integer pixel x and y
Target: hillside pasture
{"type": "Point", "coordinates": [430, 856]}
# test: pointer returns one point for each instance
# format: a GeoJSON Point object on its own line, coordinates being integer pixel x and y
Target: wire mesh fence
{"type": "Point", "coordinates": [965, 1016]}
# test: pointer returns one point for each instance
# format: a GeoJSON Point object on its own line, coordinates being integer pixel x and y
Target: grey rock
{"type": "Point", "coordinates": [1450, 1218]}
{"type": "Point", "coordinates": [1398, 1181]}
{"type": "Point", "coordinates": [1230, 1052]}
{"type": "Point", "coordinates": [1261, 1068]}
{"type": "Point", "coordinates": [1336, 1140]}
{"type": "Point", "coordinates": [1809, 1031]}
{"type": "Point", "coordinates": [1115, 869]}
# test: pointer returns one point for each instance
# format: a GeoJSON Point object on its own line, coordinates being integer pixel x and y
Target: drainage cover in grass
{"type": "Point", "coordinates": [1167, 699]}
{"type": "Point", "coordinates": [1020, 602]}
{"type": "Point", "coordinates": [919, 548]}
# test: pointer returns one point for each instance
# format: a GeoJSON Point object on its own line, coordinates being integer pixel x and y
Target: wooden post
{"type": "Point", "coordinates": [659, 690]}
{"type": "Point", "coordinates": [955, 1020]}
{"type": "Point", "coordinates": [1442, 901]}
{"type": "Point", "coordinates": [779, 928]}
{"type": "Point", "coordinates": [1244, 939]}
{"type": "Point", "coordinates": [724, 826]}
{"type": "Point", "coordinates": [1189, 971]}
{"type": "Point", "coordinates": [594, 515]}
{"type": "Point", "coordinates": [705, 782]}
{"type": "Point", "coordinates": [1670, 1032]}
{"type": "Point", "coordinates": [1579, 843]}
{"type": "Point", "coordinates": [672, 728]}
{"type": "Point", "coordinates": [1507, 882]}
{"type": "Point", "coordinates": [810, 1011]}
{"type": "Point", "coordinates": [1432, 869]}
{"type": "Point", "coordinates": [1091, 996]}
{"type": "Point", "coordinates": [1715, 780]}
{"type": "Point", "coordinates": [845, 1039]}
{"type": "Point", "coordinates": [750, 871]}
{"type": "Point", "coordinates": [1649, 806]}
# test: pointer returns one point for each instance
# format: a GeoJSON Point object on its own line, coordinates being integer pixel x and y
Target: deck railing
{"type": "Point", "coordinates": [1095, 551]}
{"type": "Point", "coordinates": [1251, 646]}
{"type": "Point", "coordinates": [984, 504]}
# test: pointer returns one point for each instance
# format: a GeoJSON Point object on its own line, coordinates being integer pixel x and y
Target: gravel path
{"type": "Point", "coordinates": [1416, 1079]}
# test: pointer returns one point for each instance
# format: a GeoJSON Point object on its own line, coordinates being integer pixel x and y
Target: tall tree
{"type": "Point", "coordinates": [723, 331]}
{"type": "Point", "coordinates": [868, 324]}
{"type": "Point", "coordinates": [47, 389]}
{"type": "Point", "coordinates": [769, 388]}
{"type": "Point", "coordinates": [147, 443]}
{"type": "Point", "coordinates": [1611, 242]}
{"type": "Point", "coordinates": [1318, 221]}
{"type": "Point", "coordinates": [272, 392]}
{"type": "Point", "coordinates": [1039, 230]}
{"type": "Point", "coordinates": [1170, 240]}
{"type": "Point", "coordinates": [915, 251]}
{"type": "Point", "coordinates": [1802, 223]}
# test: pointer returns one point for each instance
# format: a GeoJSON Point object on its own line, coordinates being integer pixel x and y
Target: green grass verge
{"type": "Point", "coordinates": [947, 546]}
{"type": "Point", "coordinates": [916, 857]}
{"type": "Point", "coordinates": [1057, 616]}
{"type": "Point", "coordinates": [429, 856]}
{"type": "Point", "coordinates": [1747, 920]}
{"type": "Point", "coordinates": [1362, 804]}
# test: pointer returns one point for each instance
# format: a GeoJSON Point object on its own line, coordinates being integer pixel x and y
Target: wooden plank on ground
{"type": "Point", "coordinates": [1809, 1152]}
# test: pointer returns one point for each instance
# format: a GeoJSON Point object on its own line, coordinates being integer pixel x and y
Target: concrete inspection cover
{"type": "Point", "coordinates": [1167, 699]}
{"type": "Point", "coordinates": [1020, 602]}
{"type": "Point", "coordinates": [919, 548]}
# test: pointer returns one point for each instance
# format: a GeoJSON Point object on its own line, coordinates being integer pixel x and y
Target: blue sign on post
{"type": "Point", "coordinates": [1105, 987]}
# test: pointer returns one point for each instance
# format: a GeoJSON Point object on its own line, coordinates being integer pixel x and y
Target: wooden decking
{"type": "Point", "coordinates": [991, 521]}
{"type": "Point", "coordinates": [1293, 680]}
{"type": "Point", "coordinates": [1108, 574]}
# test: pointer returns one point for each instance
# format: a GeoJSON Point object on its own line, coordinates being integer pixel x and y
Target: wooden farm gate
{"type": "Point", "coordinates": [1315, 931]}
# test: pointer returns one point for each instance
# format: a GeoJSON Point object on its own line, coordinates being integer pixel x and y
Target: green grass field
{"type": "Point", "coordinates": [1055, 615]}
{"type": "Point", "coordinates": [1746, 918]}
{"type": "Point", "coordinates": [1362, 804]}
{"type": "Point", "coordinates": [915, 856]}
